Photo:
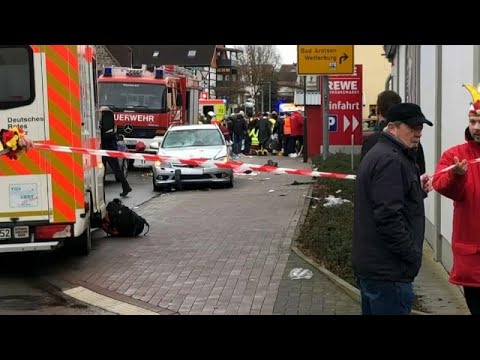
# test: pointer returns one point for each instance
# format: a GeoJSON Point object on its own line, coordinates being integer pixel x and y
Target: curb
{"type": "Point", "coordinates": [349, 289]}
{"type": "Point", "coordinates": [90, 297]}
{"type": "Point", "coordinates": [104, 299]}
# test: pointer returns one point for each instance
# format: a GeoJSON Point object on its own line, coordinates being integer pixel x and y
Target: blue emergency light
{"type": "Point", "coordinates": [107, 71]}
{"type": "Point", "coordinates": [159, 73]}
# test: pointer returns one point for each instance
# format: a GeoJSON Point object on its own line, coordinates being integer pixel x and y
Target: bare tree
{"type": "Point", "coordinates": [258, 64]}
{"type": "Point", "coordinates": [230, 89]}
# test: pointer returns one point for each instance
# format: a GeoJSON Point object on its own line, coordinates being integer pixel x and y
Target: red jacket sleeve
{"type": "Point", "coordinates": [447, 183]}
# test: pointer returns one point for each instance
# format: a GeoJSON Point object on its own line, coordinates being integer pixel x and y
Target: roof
{"type": "Point", "coordinates": [288, 68]}
{"type": "Point", "coordinates": [122, 53]}
{"type": "Point", "coordinates": [200, 55]}
{"type": "Point", "coordinates": [221, 47]}
{"type": "Point", "coordinates": [287, 73]}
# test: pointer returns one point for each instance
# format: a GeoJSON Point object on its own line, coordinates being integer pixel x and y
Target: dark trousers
{"type": "Point", "coordinates": [113, 163]}
{"type": "Point", "coordinates": [298, 139]}
{"type": "Point", "coordinates": [380, 297]}
{"type": "Point", "coordinates": [472, 297]}
{"type": "Point", "coordinates": [237, 144]}
{"type": "Point", "coordinates": [280, 141]}
{"type": "Point", "coordinates": [248, 145]}
{"type": "Point", "coordinates": [264, 143]}
{"type": "Point", "coordinates": [288, 145]}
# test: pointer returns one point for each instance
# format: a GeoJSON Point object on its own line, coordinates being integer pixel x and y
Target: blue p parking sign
{"type": "Point", "coordinates": [332, 123]}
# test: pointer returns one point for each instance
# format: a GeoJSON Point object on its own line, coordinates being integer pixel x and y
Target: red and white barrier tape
{"type": "Point", "coordinates": [236, 165]}
{"type": "Point", "coordinates": [448, 168]}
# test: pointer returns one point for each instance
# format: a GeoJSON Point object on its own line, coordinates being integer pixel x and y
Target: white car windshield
{"type": "Point", "coordinates": [192, 137]}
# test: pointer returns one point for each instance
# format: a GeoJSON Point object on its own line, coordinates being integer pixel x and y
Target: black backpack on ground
{"type": "Point", "coordinates": [123, 221]}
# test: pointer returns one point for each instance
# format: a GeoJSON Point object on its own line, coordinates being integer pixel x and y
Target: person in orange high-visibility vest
{"type": "Point", "coordinates": [288, 141]}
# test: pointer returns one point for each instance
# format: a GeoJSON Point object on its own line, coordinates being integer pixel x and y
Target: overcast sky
{"type": "Point", "coordinates": [288, 53]}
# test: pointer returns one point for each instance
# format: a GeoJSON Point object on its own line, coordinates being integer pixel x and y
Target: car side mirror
{"type": "Point", "coordinates": [155, 145]}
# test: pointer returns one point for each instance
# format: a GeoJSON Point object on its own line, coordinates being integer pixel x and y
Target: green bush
{"type": "Point", "coordinates": [327, 231]}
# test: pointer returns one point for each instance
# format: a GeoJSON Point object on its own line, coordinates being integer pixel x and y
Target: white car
{"type": "Point", "coordinates": [187, 142]}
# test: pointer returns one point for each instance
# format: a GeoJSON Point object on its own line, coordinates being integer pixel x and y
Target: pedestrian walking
{"type": "Point", "coordinates": [108, 141]}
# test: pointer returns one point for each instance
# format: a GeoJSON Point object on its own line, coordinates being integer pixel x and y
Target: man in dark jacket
{"type": "Point", "coordinates": [278, 128]}
{"type": "Point", "coordinates": [264, 131]}
{"type": "Point", "coordinates": [109, 142]}
{"type": "Point", "coordinates": [385, 100]}
{"type": "Point", "coordinates": [389, 215]}
{"type": "Point", "coordinates": [239, 130]}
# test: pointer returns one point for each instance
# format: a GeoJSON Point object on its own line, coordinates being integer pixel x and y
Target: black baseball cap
{"type": "Point", "coordinates": [408, 113]}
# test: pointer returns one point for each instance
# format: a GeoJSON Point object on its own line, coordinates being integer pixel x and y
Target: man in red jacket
{"type": "Point", "coordinates": [297, 131]}
{"type": "Point", "coordinates": [461, 184]}
{"type": "Point", "coordinates": [224, 130]}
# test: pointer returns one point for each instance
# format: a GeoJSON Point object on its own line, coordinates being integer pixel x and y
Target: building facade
{"type": "Point", "coordinates": [432, 76]}
{"type": "Point", "coordinates": [376, 69]}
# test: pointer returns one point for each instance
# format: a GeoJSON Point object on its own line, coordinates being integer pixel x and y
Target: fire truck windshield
{"type": "Point", "coordinates": [123, 96]}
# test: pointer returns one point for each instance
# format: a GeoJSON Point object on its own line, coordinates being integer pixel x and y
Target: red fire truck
{"type": "Point", "coordinates": [147, 101]}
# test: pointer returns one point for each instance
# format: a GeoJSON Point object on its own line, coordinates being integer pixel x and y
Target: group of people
{"type": "Point", "coordinates": [389, 213]}
{"type": "Point", "coordinates": [262, 133]}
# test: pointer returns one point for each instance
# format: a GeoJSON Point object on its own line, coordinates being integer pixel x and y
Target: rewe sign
{"type": "Point", "coordinates": [346, 107]}
{"type": "Point", "coordinates": [341, 85]}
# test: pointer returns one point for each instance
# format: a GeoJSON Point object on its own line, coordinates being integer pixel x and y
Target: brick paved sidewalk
{"type": "Point", "coordinates": [224, 251]}
{"type": "Point", "coordinates": [315, 296]}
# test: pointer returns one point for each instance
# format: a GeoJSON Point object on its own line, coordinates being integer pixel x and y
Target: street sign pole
{"type": "Point", "coordinates": [305, 132]}
{"type": "Point", "coordinates": [269, 96]}
{"type": "Point", "coordinates": [261, 92]}
{"type": "Point", "coordinates": [325, 110]}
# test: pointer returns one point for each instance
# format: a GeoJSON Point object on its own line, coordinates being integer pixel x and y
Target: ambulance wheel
{"type": "Point", "coordinates": [83, 243]}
